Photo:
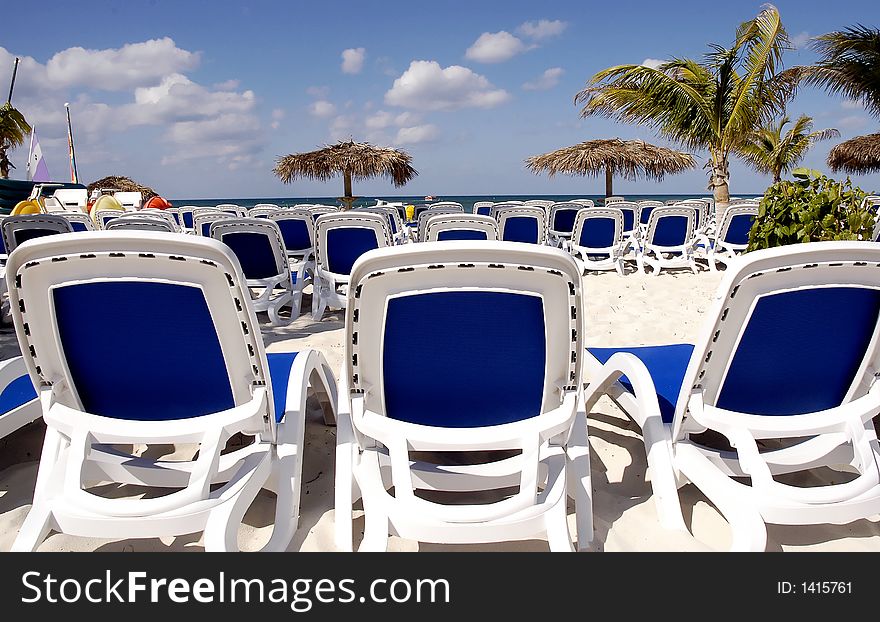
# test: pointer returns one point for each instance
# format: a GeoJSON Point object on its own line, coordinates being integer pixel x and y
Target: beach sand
{"type": "Point", "coordinates": [633, 310]}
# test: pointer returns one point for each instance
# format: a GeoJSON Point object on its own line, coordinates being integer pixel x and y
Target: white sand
{"type": "Point", "coordinates": [634, 310]}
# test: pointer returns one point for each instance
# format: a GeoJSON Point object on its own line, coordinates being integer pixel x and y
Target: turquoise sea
{"type": "Point", "coordinates": [467, 201]}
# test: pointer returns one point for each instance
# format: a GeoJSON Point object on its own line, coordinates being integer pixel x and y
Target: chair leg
{"type": "Point", "coordinates": [558, 535]}
{"type": "Point", "coordinates": [37, 525]}
{"type": "Point", "coordinates": [375, 529]}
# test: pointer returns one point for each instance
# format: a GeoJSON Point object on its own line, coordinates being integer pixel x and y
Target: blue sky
{"type": "Point", "coordinates": [198, 98]}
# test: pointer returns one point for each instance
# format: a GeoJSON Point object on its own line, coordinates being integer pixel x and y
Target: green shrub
{"type": "Point", "coordinates": [811, 208]}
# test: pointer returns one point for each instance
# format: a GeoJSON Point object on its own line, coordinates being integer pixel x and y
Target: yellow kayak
{"type": "Point", "coordinates": [28, 206]}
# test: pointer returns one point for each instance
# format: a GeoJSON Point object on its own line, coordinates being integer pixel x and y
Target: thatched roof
{"type": "Point", "coordinates": [623, 158]}
{"type": "Point", "coordinates": [856, 155]}
{"type": "Point", "coordinates": [360, 160]}
{"type": "Point", "coordinates": [123, 184]}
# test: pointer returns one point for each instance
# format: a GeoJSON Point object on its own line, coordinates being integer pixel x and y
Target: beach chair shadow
{"type": "Point", "coordinates": [784, 371]}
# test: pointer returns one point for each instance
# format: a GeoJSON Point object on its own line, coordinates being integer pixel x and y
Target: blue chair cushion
{"type": "Point", "coordinates": [295, 234]}
{"type": "Point", "coordinates": [670, 231]}
{"type": "Point", "coordinates": [563, 220]}
{"type": "Point", "coordinates": [739, 228]}
{"type": "Point", "coordinates": [78, 226]}
{"type": "Point", "coordinates": [667, 365]}
{"type": "Point", "coordinates": [18, 392]}
{"type": "Point", "coordinates": [23, 235]}
{"type": "Point", "coordinates": [163, 363]}
{"type": "Point", "coordinates": [346, 244]}
{"type": "Point", "coordinates": [521, 229]}
{"type": "Point", "coordinates": [597, 233]}
{"type": "Point", "coordinates": [460, 234]}
{"type": "Point", "coordinates": [254, 252]}
{"type": "Point", "coordinates": [279, 373]}
{"type": "Point", "coordinates": [457, 372]}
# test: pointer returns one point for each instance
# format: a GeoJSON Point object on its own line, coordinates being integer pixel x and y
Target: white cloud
{"type": "Point", "coordinates": [134, 64]}
{"type": "Point", "coordinates": [542, 29]}
{"type": "Point", "coordinates": [427, 86]}
{"type": "Point", "coordinates": [653, 63]}
{"type": "Point", "coordinates": [353, 60]}
{"type": "Point", "coordinates": [381, 119]}
{"type": "Point", "coordinates": [416, 134]}
{"type": "Point", "coordinates": [546, 80]}
{"type": "Point", "coordinates": [495, 47]}
{"type": "Point", "coordinates": [322, 109]}
{"type": "Point", "coordinates": [852, 122]}
{"type": "Point", "coordinates": [850, 104]}
{"type": "Point", "coordinates": [228, 85]}
{"type": "Point", "coordinates": [800, 40]}
{"type": "Point", "coordinates": [320, 92]}
{"type": "Point", "coordinates": [341, 127]}
{"type": "Point", "coordinates": [277, 115]}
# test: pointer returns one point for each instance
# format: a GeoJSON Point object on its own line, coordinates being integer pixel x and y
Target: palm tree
{"type": "Point", "coordinates": [849, 65]}
{"type": "Point", "coordinates": [13, 132]}
{"type": "Point", "coordinates": [713, 105]}
{"type": "Point", "coordinates": [771, 152]}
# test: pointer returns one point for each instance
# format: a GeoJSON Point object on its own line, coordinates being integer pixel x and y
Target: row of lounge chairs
{"type": "Point", "coordinates": [784, 393]}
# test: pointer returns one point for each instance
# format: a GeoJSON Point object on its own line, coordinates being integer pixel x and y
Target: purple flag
{"type": "Point", "coordinates": [36, 166]}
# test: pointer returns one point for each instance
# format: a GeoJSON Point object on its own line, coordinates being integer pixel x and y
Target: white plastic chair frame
{"type": "Point", "coordinates": [585, 202]}
{"type": "Point", "coordinates": [448, 204]}
{"type": "Point", "coordinates": [504, 214]}
{"type": "Point", "coordinates": [438, 223]}
{"type": "Point", "coordinates": [76, 454]}
{"type": "Point", "coordinates": [262, 212]}
{"type": "Point", "coordinates": [272, 293]}
{"type": "Point", "coordinates": [78, 217]}
{"type": "Point", "coordinates": [500, 204]}
{"type": "Point", "coordinates": [615, 252]}
{"type": "Point", "coordinates": [49, 222]}
{"type": "Point", "coordinates": [18, 417]}
{"type": "Point", "coordinates": [373, 451]}
{"type": "Point", "coordinates": [202, 218]}
{"type": "Point", "coordinates": [841, 438]}
{"type": "Point", "coordinates": [614, 199]}
{"type": "Point", "coordinates": [330, 289]}
{"type": "Point", "coordinates": [402, 234]}
{"type": "Point", "coordinates": [140, 223]}
{"type": "Point", "coordinates": [232, 208]}
{"type": "Point", "coordinates": [539, 203]}
{"type": "Point", "coordinates": [654, 256]}
{"type": "Point", "coordinates": [300, 260]}
{"type": "Point", "coordinates": [428, 213]}
{"type": "Point", "coordinates": [102, 217]}
{"type": "Point", "coordinates": [720, 250]}
{"type": "Point", "coordinates": [554, 237]}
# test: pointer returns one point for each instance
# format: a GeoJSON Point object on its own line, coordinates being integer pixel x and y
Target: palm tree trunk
{"type": "Point", "coordinates": [777, 177]}
{"type": "Point", "coordinates": [4, 164]}
{"type": "Point", "coordinates": [719, 183]}
{"type": "Point", "coordinates": [609, 182]}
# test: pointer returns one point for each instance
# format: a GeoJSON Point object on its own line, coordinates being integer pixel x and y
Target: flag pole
{"type": "Point", "coordinates": [73, 176]}
{"type": "Point", "coordinates": [12, 84]}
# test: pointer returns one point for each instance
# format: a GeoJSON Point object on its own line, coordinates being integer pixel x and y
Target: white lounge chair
{"type": "Point", "coordinates": [342, 238]}
{"type": "Point", "coordinates": [18, 400]}
{"type": "Point", "coordinates": [19, 229]}
{"type": "Point", "coordinates": [202, 221]}
{"type": "Point", "coordinates": [102, 217]}
{"type": "Point", "coordinates": [259, 247]}
{"type": "Point", "coordinates": [598, 241]}
{"type": "Point", "coordinates": [298, 233]}
{"type": "Point", "coordinates": [560, 222]}
{"type": "Point", "coordinates": [669, 239]}
{"type": "Point", "coordinates": [94, 400]}
{"type": "Point", "coordinates": [522, 224]}
{"type": "Point", "coordinates": [785, 371]}
{"type": "Point", "coordinates": [79, 221]}
{"type": "Point", "coordinates": [428, 213]}
{"type": "Point", "coordinates": [129, 201]}
{"type": "Point", "coordinates": [232, 208]}
{"type": "Point", "coordinates": [140, 223]}
{"type": "Point", "coordinates": [732, 236]}
{"type": "Point", "coordinates": [72, 199]}
{"type": "Point", "coordinates": [483, 208]}
{"type": "Point", "coordinates": [448, 205]}
{"type": "Point", "coordinates": [445, 227]}
{"type": "Point", "coordinates": [509, 385]}
{"type": "Point", "coordinates": [262, 211]}
{"type": "Point", "coordinates": [613, 200]}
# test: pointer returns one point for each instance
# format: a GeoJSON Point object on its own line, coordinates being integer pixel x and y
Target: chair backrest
{"type": "Point", "coordinates": [611, 200]}
{"type": "Point", "coordinates": [598, 228]}
{"type": "Point", "coordinates": [447, 227]}
{"type": "Point", "coordinates": [257, 244]}
{"type": "Point", "coordinates": [871, 201]}
{"type": "Point", "coordinates": [185, 216]}
{"type": "Point", "coordinates": [343, 237]}
{"type": "Point", "coordinates": [232, 208]}
{"type": "Point", "coordinates": [501, 204]}
{"type": "Point", "coordinates": [736, 225]}
{"type": "Point", "coordinates": [539, 203]}
{"type": "Point", "coordinates": [79, 221]}
{"type": "Point", "coordinates": [439, 376]}
{"type": "Point", "coordinates": [262, 212]}
{"type": "Point", "coordinates": [140, 223]}
{"type": "Point", "coordinates": [630, 211]}
{"type": "Point", "coordinates": [72, 198]}
{"type": "Point", "coordinates": [129, 200]}
{"type": "Point", "coordinates": [448, 204]}
{"type": "Point", "coordinates": [483, 208]}
{"type": "Point", "coordinates": [560, 218]}
{"type": "Point", "coordinates": [768, 349]}
{"type": "Point", "coordinates": [202, 221]}
{"type": "Point", "coordinates": [670, 226]}
{"type": "Point", "coordinates": [701, 214]}
{"type": "Point", "coordinates": [320, 210]}
{"type": "Point", "coordinates": [19, 229]}
{"type": "Point", "coordinates": [265, 205]}
{"type": "Point", "coordinates": [159, 214]}
{"type": "Point", "coordinates": [103, 216]}
{"type": "Point", "coordinates": [213, 341]}
{"type": "Point", "coordinates": [522, 224]}
{"type": "Point", "coordinates": [585, 202]}
{"type": "Point", "coordinates": [297, 230]}
{"type": "Point", "coordinates": [645, 209]}
{"type": "Point", "coordinates": [426, 214]}
{"type": "Point", "coordinates": [394, 219]}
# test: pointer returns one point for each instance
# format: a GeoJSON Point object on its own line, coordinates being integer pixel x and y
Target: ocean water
{"type": "Point", "coordinates": [467, 201]}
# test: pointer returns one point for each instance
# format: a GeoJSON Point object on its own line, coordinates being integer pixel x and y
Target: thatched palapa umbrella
{"type": "Point", "coordinates": [350, 159]}
{"type": "Point", "coordinates": [123, 184]}
{"type": "Point", "coordinates": [625, 158]}
{"type": "Point", "coordinates": [856, 155]}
